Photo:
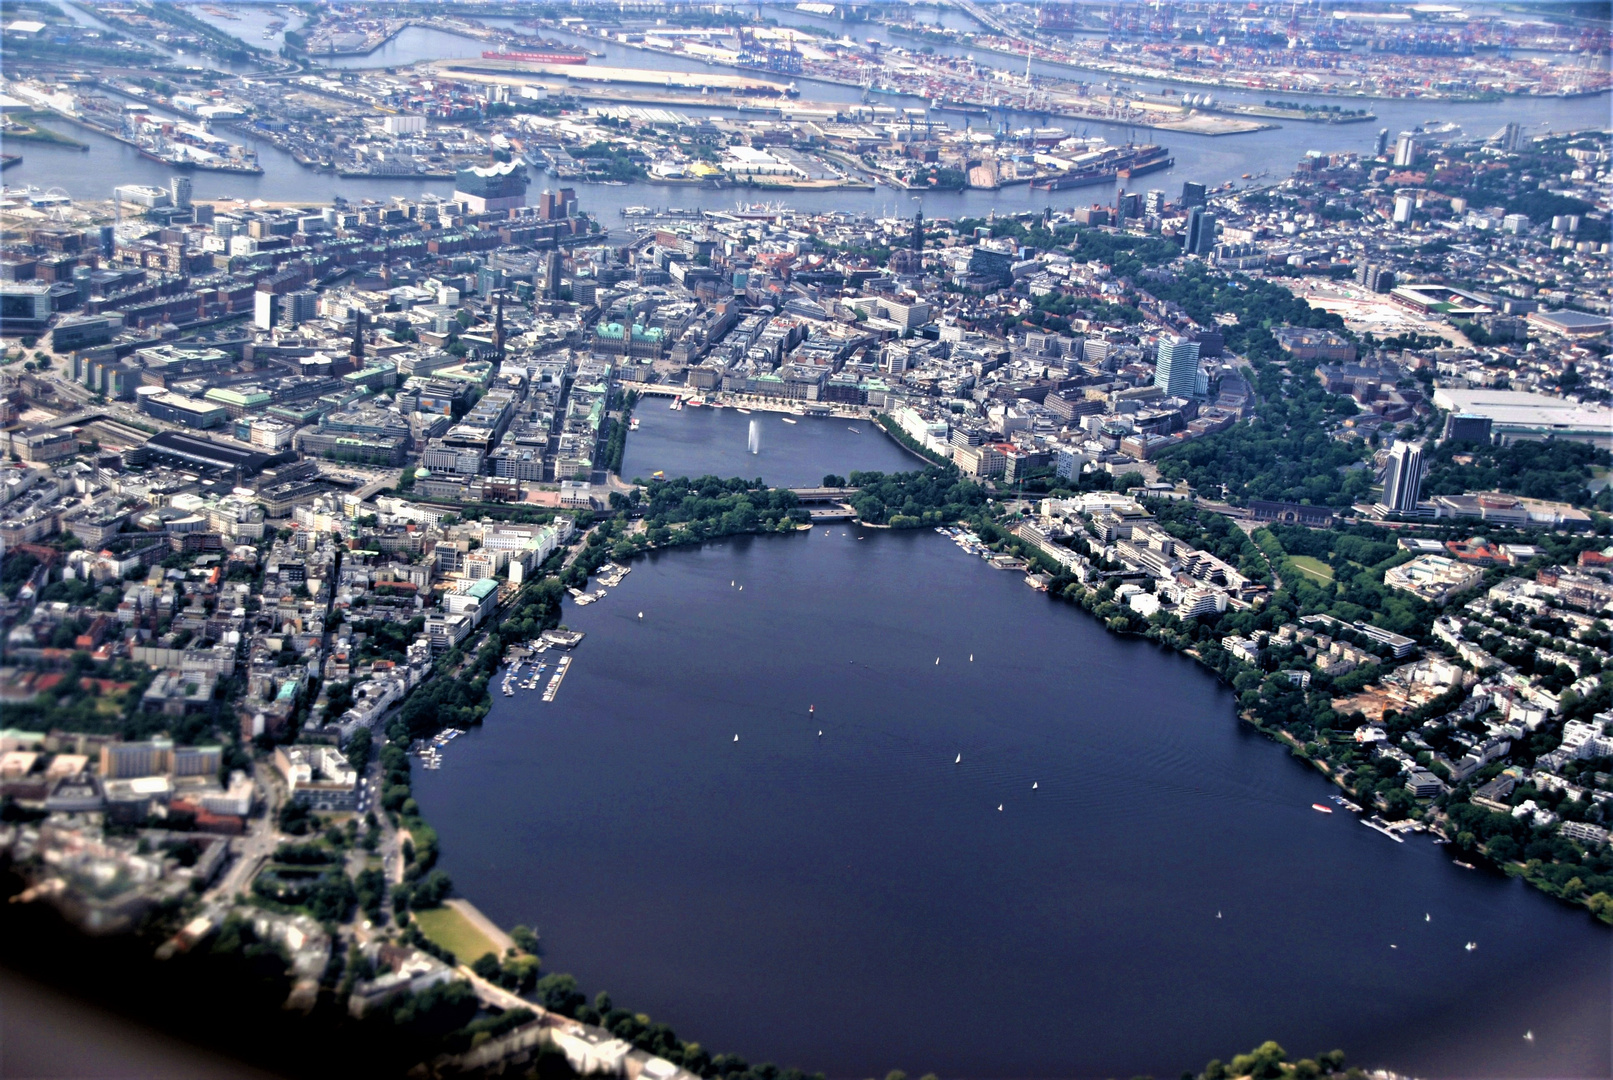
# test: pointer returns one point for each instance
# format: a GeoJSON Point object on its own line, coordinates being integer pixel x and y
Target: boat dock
{"type": "Point", "coordinates": [557, 678]}
{"type": "Point", "coordinates": [1380, 825]}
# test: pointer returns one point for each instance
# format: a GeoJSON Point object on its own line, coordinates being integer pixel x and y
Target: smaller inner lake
{"type": "Point", "coordinates": [714, 442]}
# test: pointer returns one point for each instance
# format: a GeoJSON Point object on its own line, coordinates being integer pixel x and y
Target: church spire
{"type": "Point", "coordinates": [357, 352]}
{"type": "Point", "coordinates": [498, 329]}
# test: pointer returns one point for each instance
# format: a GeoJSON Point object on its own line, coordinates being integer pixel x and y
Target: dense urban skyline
{"type": "Point", "coordinates": [354, 352]}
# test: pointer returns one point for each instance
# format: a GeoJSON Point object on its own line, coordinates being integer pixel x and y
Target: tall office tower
{"type": "Point", "coordinates": [1380, 145]}
{"type": "Point", "coordinates": [551, 275]}
{"type": "Point", "coordinates": [179, 187]}
{"type": "Point", "coordinates": [1129, 206]}
{"type": "Point", "coordinates": [1512, 137]}
{"type": "Point", "coordinates": [1177, 367]}
{"type": "Point", "coordinates": [1200, 238]}
{"type": "Point", "coordinates": [1408, 148]}
{"type": "Point", "coordinates": [301, 307]}
{"type": "Point", "coordinates": [917, 240]}
{"type": "Point", "coordinates": [1378, 279]}
{"type": "Point", "coordinates": [1403, 479]}
{"type": "Point", "coordinates": [1154, 202]}
{"type": "Point", "coordinates": [1192, 193]}
{"type": "Point", "coordinates": [266, 308]}
{"type": "Point", "coordinates": [1403, 208]}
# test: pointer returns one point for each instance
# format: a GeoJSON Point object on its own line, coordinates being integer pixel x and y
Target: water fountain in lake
{"type": "Point", "coordinates": [754, 442]}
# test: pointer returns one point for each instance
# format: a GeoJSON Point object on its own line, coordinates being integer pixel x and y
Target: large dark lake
{"type": "Point", "coordinates": [704, 441]}
{"type": "Point", "coordinates": [1154, 891]}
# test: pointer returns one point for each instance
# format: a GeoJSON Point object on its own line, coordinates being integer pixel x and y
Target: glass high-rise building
{"type": "Point", "coordinates": [1200, 239]}
{"type": "Point", "coordinates": [1177, 368]}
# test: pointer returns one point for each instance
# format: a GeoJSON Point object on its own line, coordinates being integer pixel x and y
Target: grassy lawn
{"type": "Point", "coordinates": [1316, 568]}
{"type": "Point", "coordinates": [455, 933]}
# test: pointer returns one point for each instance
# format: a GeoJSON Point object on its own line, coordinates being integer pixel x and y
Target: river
{"type": "Point", "coordinates": [701, 442]}
{"type": "Point", "coordinates": [250, 22]}
{"type": "Point", "coordinates": [1205, 158]}
{"type": "Point", "coordinates": [1118, 877]}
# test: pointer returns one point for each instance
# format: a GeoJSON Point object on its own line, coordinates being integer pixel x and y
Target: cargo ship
{"type": "Point", "coordinates": [538, 57]}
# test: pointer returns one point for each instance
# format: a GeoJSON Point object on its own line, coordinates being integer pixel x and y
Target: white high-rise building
{"type": "Point", "coordinates": [266, 309]}
{"type": "Point", "coordinates": [1177, 368]}
{"type": "Point", "coordinates": [179, 190]}
{"type": "Point", "coordinates": [1408, 148]}
{"type": "Point", "coordinates": [1403, 478]}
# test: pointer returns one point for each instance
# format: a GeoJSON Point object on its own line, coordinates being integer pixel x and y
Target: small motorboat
{"type": "Point", "coordinates": [1318, 807]}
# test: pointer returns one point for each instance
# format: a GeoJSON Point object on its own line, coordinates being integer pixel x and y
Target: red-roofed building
{"type": "Point", "coordinates": [1477, 551]}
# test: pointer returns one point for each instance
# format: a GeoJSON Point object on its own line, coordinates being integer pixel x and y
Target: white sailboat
{"type": "Point", "coordinates": [736, 738]}
{"type": "Point", "coordinates": [999, 808]}
{"type": "Point", "coordinates": [959, 760]}
{"type": "Point", "coordinates": [937, 661]}
{"type": "Point", "coordinates": [971, 658]}
{"type": "Point", "coordinates": [1035, 785]}
{"type": "Point", "coordinates": [641, 614]}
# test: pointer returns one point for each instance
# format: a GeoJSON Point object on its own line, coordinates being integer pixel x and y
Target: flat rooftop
{"type": "Point", "coordinates": [1521, 412]}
